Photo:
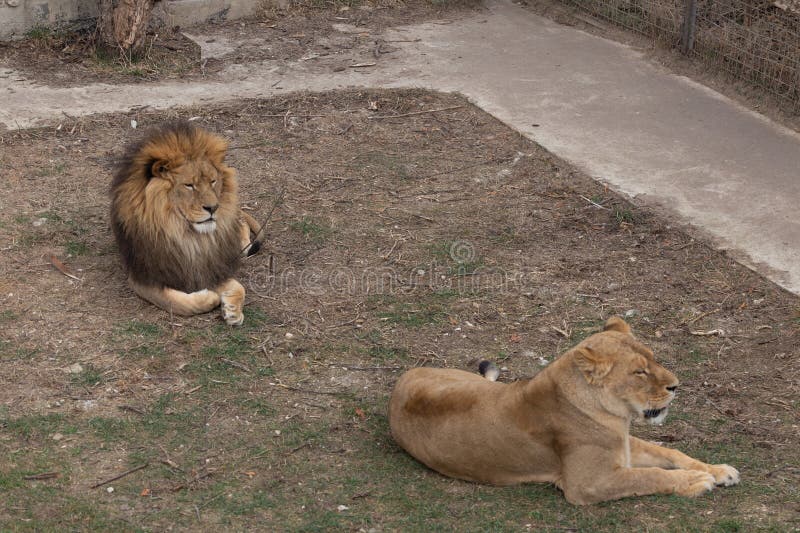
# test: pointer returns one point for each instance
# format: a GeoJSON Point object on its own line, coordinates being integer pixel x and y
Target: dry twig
{"type": "Point", "coordinates": [378, 117]}
{"type": "Point", "coordinates": [120, 476]}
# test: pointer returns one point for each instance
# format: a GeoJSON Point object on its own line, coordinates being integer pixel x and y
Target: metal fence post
{"type": "Point", "coordinates": [687, 32]}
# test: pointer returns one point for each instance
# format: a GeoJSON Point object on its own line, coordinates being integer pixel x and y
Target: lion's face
{"type": "Point", "coordinates": [194, 191]}
{"type": "Point", "coordinates": [632, 382]}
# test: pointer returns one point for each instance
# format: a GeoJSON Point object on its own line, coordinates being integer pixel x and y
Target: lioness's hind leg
{"type": "Point", "coordinates": [178, 302]}
{"type": "Point", "coordinates": [231, 295]}
{"type": "Point", "coordinates": [249, 224]}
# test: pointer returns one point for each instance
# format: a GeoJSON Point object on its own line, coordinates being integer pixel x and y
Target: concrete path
{"type": "Point", "coordinates": [729, 172]}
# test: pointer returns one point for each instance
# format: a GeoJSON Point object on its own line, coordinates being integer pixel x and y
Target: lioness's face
{"type": "Point", "coordinates": [646, 386]}
{"type": "Point", "coordinates": [631, 379]}
{"type": "Point", "coordinates": [195, 193]}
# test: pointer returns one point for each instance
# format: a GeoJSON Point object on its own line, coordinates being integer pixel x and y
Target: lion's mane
{"type": "Point", "coordinates": [157, 245]}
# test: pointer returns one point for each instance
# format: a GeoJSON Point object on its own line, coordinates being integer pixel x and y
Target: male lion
{"type": "Point", "coordinates": [177, 222]}
{"type": "Point", "coordinates": [568, 425]}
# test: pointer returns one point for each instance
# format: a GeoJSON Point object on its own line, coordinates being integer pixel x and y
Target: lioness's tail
{"type": "Point", "coordinates": [489, 370]}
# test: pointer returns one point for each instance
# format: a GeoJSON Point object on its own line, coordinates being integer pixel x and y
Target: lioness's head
{"type": "Point", "coordinates": [631, 382]}
{"type": "Point", "coordinates": [185, 171]}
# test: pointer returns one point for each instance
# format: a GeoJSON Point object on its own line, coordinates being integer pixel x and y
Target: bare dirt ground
{"type": "Point", "coordinates": [431, 238]}
{"type": "Point", "coordinates": [300, 33]}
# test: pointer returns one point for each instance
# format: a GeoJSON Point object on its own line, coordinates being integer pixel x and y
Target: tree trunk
{"type": "Point", "coordinates": [122, 26]}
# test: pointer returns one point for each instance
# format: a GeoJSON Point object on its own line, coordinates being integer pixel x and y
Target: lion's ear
{"type": "Point", "coordinates": [615, 323]}
{"type": "Point", "coordinates": [159, 167]}
{"type": "Point", "coordinates": [593, 365]}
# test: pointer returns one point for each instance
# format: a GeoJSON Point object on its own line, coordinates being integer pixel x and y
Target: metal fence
{"type": "Point", "coordinates": [757, 41]}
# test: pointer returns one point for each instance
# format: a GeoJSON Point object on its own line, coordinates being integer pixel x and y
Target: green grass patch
{"type": "Point", "coordinates": [584, 329]}
{"type": "Point", "coordinates": [39, 33]}
{"type": "Point", "coordinates": [89, 377]}
{"type": "Point", "coordinates": [395, 166]}
{"type": "Point", "coordinates": [75, 248]}
{"type": "Point", "coordinates": [623, 215]}
{"type": "Point", "coordinates": [412, 316]}
{"type": "Point", "coordinates": [388, 353]}
{"type": "Point", "coordinates": [30, 427]}
{"type": "Point", "coordinates": [460, 256]}
{"type": "Point", "coordinates": [312, 229]}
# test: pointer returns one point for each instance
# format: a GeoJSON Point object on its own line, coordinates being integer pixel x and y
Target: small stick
{"type": "Point", "coordinates": [132, 409]}
{"type": "Point", "coordinates": [278, 200]}
{"type": "Point", "coordinates": [44, 475]}
{"type": "Point", "coordinates": [389, 253]}
{"type": "Point", "coordinates": [358, 65]}
{"type": "Point", "coordinates": [347, 323]}
{"type": "Point", "coordinates": [332, 393]}
{"type": "Point", "coordinates": [122, 475]}
{"type": "Point", "coordinates": [348, 367]}
{"type": "Point", "coordinates": [701, 315]}
{"type": "Point", "coordinates": [305, 444]}
{"type": "Point", "coordinates": [594, 203]}
{"type": "Point", "coordinates": [237, 364]}
{"type": "Point", "coordinates": [377, 117]}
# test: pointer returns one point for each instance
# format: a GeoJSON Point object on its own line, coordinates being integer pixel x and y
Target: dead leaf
{"type": "Point", "coordinates": [145, 492]}
{"type": "Point", "coordinates": [63, 268]}
{"type": "Point", "coordinates": [360, 413]}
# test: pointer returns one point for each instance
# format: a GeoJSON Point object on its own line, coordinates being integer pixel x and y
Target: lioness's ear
{"type": "Point", "coordinates": [615, 323]}
{"type": "Point", "coordinates": [593, 365]}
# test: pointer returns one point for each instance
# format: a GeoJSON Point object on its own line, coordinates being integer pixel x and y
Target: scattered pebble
{"type": "Point", "coordinates": [110, 490]}
{"type": "Point", "coordinates": [342, 508]}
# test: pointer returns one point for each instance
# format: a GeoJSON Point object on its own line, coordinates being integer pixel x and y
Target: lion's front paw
{"type": "Point", "coordinates": [724, 475]}
{"type": "Point", "coordinates": [694, 483]}
{"type": "Point", "coordinates": [232, 314]}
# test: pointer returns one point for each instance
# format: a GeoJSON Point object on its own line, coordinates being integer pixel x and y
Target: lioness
{"type": "Point", "coordinates": [569, 425]}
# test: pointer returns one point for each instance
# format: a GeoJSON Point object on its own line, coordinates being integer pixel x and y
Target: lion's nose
{"type": "Point", "coordinates": [211, 208]}
{"type": "Point", "coordinates": [672, 388]}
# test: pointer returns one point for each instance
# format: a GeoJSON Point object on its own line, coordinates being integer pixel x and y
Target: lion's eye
{"type": "Point", "coordinates": [640, 372]}
{"type": "Point", "coordinates": [189, 186]}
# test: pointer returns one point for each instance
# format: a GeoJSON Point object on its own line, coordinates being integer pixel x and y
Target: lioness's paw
{"type": "Point", "coordinates": [724, 475]}
{"type": "Point", "coordinates": [232, 314]}
{"type": "Point", "coordinates": [695, 483]}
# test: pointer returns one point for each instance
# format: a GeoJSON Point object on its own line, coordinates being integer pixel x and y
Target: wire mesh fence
{"type": "Point", "coordinates": [757, 41]}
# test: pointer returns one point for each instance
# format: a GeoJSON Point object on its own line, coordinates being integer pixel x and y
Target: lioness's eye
{"type": "Point", "coordinates": [189, 186]}
{"type": "Point", "coordinates": [640, 372]}
{"type": "Point", "coordinates": [213, 182]}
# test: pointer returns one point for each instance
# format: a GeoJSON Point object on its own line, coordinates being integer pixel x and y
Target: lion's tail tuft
{"type": "Point", "coordinates": [489, 370]}
{"type": "Point", "coordinates": [254, 247]}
